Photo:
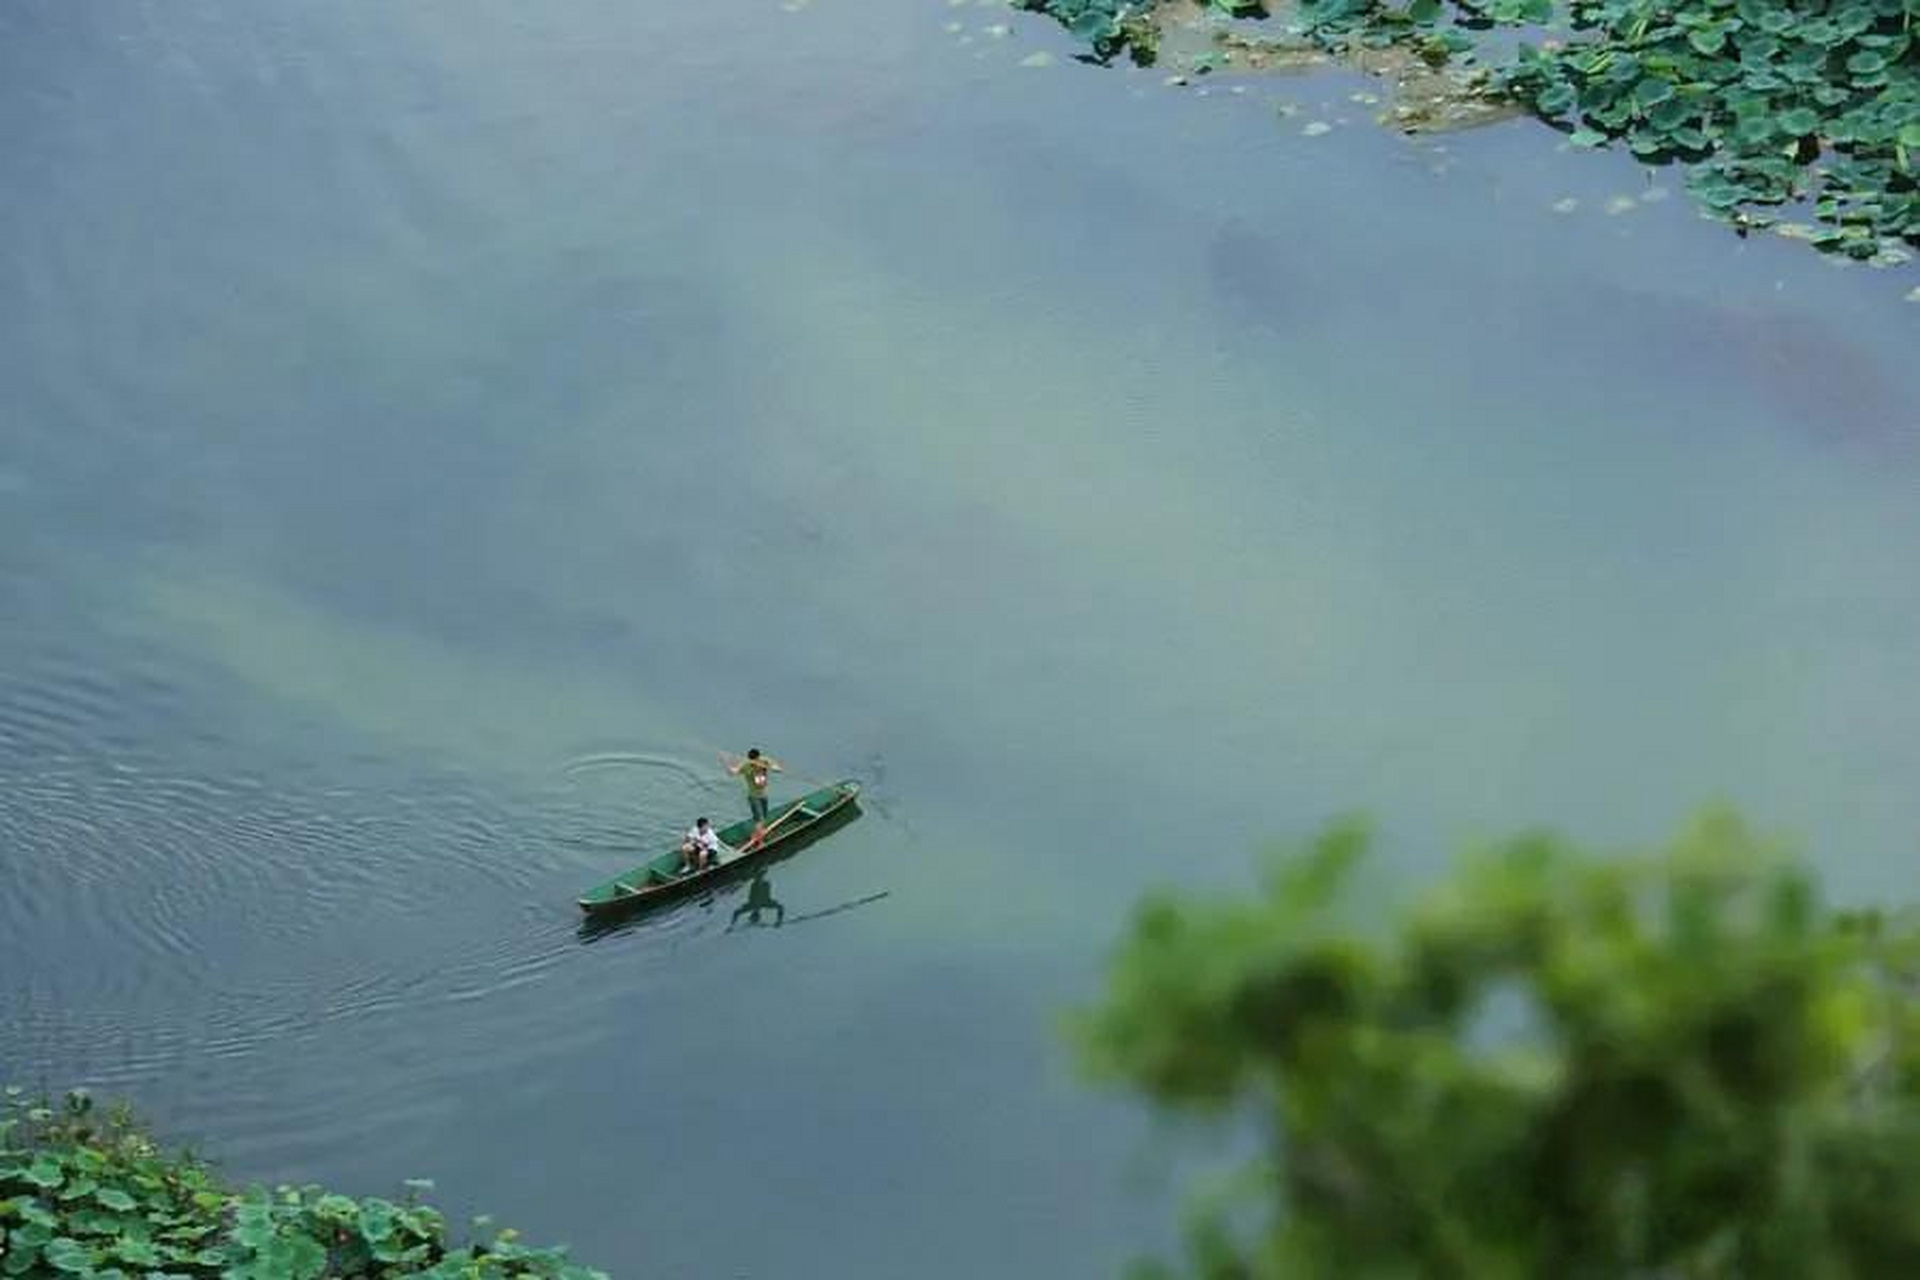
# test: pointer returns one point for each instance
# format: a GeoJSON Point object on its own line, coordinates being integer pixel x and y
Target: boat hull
{"type": "Point", "coordinates": [657, 881]}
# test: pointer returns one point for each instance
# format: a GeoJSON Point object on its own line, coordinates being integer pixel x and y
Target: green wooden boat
{"type": "Point", "coordinates": [662, 880]}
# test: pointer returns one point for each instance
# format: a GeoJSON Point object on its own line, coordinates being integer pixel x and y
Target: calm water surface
{"type": "Point", "coordinates": [431, 429]}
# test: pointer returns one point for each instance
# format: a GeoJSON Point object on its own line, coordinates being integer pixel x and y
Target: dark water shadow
{"type": "Point", "coordinates": [761, 903]}
{"type": "Point", "coordinates": [726, 883]}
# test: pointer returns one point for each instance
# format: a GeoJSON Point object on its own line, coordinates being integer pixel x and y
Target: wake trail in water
{"type": "Point", "coordinates": [177, 926]}
{"type": "Point", "coordinates": [260, 919]}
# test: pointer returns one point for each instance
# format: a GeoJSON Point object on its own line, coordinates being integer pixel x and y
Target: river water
{"type": "Point", "coordinates": [433, 430]}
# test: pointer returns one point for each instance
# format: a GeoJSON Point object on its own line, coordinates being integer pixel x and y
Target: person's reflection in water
{"type": "Point", "coordinates": [759, 898]}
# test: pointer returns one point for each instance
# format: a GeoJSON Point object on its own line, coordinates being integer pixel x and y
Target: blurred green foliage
{"type": "Point", "coordinates": [1671, 1064]}
{"type": "Point", "coordinates": [87, 1194]}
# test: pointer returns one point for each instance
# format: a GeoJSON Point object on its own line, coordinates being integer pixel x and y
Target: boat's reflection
{"type": "Point", "coordinates": [760, 909]}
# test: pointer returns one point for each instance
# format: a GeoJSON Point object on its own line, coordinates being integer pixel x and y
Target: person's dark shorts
{"type": "Point", "coordinates": [757, 806]}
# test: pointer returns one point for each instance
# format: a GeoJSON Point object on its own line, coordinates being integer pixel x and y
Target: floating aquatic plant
{"type": "Point", "coordinates": [86, 1194]}
{"type": "Point", "coordinates": [1109, 27]}
{"type": "Point", "coordinates": [1767, 103]}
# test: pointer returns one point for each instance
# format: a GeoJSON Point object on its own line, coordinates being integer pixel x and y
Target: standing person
{"type": "Point", "coordinates": [755, 771]}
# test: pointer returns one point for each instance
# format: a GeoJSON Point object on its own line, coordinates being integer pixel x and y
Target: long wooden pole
{"type": "Point", "coordinates": [759, 836]}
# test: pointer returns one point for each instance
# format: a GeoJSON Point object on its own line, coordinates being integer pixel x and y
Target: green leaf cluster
{"type": "Point", "coordinates": [1672, 1064]}
{"type": "Point", "coordinates": [1769, 101]}
{"type": "Point", "coordinates": [1766, 102]}
{"type": "Point", "coordinates": [90, 1195]}
{"type": "Point", "coordinates": [1111, 27]}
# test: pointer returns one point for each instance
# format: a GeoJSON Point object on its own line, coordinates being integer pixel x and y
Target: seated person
{"type": "Point", "coordinates": [701, 848]}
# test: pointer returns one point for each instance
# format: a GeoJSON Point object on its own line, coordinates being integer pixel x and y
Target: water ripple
{"type": "Point", "coordinates": [172, 920]}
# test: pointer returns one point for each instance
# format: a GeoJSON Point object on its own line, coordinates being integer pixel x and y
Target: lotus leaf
{"type": "Point", "coordinates": [76, 1187]}
{"type": "Point", "coordinates": [1652, 91]}
{"type": "Point", "coordinates": [1096, 27]}
{"type": "Point", "coordinates": [67, 1254]}
{"type": "Point", "coordinates": [1800, 121]}
{"type": "Point", "coordinates": [1614, 115]}
{"type": "Point", "coordinates": [140, 1253]}
{"type": "Point", "coordinates": [1853, 20]}
{"type": "Point", "coordinates": [114, 1198]}
{"type": "Point", "coordinates": [1556, 99]}
{"type": "Point", "coordinates": [1670, 114]}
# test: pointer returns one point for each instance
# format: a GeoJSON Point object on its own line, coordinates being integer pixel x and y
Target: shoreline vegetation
{"type": "Point", "coordinates": [1799, 116]}
{"type": "Point", "coordinates": [85, 1192]}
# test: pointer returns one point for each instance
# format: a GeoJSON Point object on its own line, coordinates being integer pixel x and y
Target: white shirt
{"type": "Point", "coordinates": [708, 839]}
